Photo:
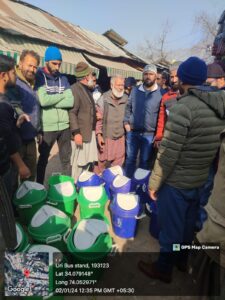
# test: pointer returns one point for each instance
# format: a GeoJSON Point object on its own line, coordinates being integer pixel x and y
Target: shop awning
{"type": "Point", "coordinates": [114, 67]}
{"type": "Point", "coordinates": [13, 47]}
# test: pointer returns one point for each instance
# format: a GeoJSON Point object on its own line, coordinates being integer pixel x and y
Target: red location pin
{"type": "Point", "coordinates": [26, 272]}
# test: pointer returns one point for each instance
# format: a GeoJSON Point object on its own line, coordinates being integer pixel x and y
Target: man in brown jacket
{"type": "Point", "coordinates": [83, 121]}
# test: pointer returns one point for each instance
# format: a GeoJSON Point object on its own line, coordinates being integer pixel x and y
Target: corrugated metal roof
{"type": "Point", "coordinates": [15, 46]}
{"type": "Point", "coordinates": [114, 67]}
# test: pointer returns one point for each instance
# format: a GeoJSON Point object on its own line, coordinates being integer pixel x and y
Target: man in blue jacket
{"type": "Point", "coordinates": [24, 95]}
{"type": "Point", "coordinates": [141, 119]}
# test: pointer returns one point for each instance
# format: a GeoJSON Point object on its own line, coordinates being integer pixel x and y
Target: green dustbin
{"type": "Point", "coordinates": [50, 226]}
{"type": "Point", "coordinates": [22, 239]}
{"type": "Point", "coordinates": [92, 200]}
{"type": "Point", "coordinates": [29, 197]}
{"type": "Point", "coordinates": [90, 242]}
{"type": "Point", "coordinates": [62, 193]}
{"type": "Point", "coordinates": [52, 268]}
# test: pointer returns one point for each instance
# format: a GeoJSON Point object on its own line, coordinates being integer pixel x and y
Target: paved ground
{"type": "Point", "coordinates": [143, 242]}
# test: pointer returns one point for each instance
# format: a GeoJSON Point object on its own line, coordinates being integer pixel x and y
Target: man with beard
{"type": "Point", "coordinates": [141, 119]}
{"type": "Point", "coordinates": [168, 100]}
{"type": "Point", "coordinates": [24, 95]}
{"type": "Point", "coordinates": [83, 121]}
{"type": "Point", "coordinates": [56, 99]}
{"type": "Point", "coordinates": [109, 128]}
{"type": "Point", "coordinates": [9, 147]}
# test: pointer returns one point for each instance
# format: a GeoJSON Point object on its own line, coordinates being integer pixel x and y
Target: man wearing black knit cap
{"type": "Point", "coordinates": [188, 147]}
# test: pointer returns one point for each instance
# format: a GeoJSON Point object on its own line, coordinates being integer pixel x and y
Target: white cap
{"type": "Point", "coordinates": [150, 68]}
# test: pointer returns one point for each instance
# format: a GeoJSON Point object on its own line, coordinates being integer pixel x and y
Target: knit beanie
{"type": "Point", "coordinates": [192, 71]}
{"type": "Point", "coordinates": [82, 69]}
{"type": "Point", "coordinates": [214, 70]}
{"type": "Point", "coordinates": [53, 53]}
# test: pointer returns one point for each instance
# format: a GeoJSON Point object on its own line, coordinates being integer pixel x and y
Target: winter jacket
{"type": "Point", "coordinates": [214, 228]}
{"type": "Point", "coordinates": [55, 98]}
{"type": "Point", "coordinates": [9, 139]}
{"type": "Point", "coordinates": [111, 126]}
{"type": "Point", "coordinates": [168, 100]}
{"type": "Point", "coordinates": [191, 140]}
{"type": "Point", "coordinates": [142, 109]}
{"type": "Point", "coordinates": [83, 114]}
{"type": "Point", "coordinates": [25, 96]}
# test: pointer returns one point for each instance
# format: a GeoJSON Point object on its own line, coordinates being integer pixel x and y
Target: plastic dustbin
{"type": "Point", "coordinates": [121, 184]}
{"type": "Point", "coordinates": [92, 201]}
{"type": "Point", "coordinates": [22, 239]}
{"type": "Point", "coordinates": [50, 226]}
{"type": "Point", "coordinates": [62, 193]}
{"type": "Point", "coordinates": [87, 178]}
{"type": "Point", "coordinates": [109, 175]}
{"type": "Point", "coordinates": [124, 209]}
{"type": "Point", "coordinates": [29, 197]}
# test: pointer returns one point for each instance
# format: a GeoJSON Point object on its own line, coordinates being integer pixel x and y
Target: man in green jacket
{"type": "Point", "coordinates": [56, 98]}
{"type": "Point", "coordinates": [188, 147]}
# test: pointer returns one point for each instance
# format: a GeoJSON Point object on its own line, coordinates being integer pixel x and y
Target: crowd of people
{"type": "Point", "coordinates": [179, 115]}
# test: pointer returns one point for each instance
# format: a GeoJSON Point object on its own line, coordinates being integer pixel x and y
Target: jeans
{"type": "Point", "coordinates": [135, 142]}
{"type": "Point", "coordinates": [63, 139]}
{"type": "Point", "coordinates": [177, 215]}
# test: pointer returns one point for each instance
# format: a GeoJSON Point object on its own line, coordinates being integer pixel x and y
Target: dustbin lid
{"type": "Point", "coordinates": [141, 174]}
{"type": "Point", "coordinates": [85, 176]}
{"type": "Point", "coordinates": [44, 213]}
{"type": "Point", "coordinates": [65, 188]}
{"type": "Point", "coordinates": [116, 170]}
{"type": "Point", "coordinates": [45, 248]}
{"type": "Point", "coordinates": [93, 193]}
{"type": "Point", "coordinates": [27, 186]}
{"type": "Point", "coordinates": [127, 201]}
{"type": "Point", "coordinates": [120, 181]}
{"type": "Point", "coordinates": [87, 232]}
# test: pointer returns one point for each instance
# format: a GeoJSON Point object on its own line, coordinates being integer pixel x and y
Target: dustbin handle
{"type": "Point", "coordinates": [25, 206]}
{"type": "Point", "coordinates": [66, 235]}
{"type": "Point", "coordinates": [26, 248]}
{"type": "Point", "coordinates": [52, 203]}
{"type": "Point", "coordinates": [140, 217]}
{"type": "Point", "coordinates": [56, 173]}
{"type": "Point", "coordinates": [54, 238]}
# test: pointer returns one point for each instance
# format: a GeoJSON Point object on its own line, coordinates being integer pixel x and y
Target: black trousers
{"type": "Point", "coordinates": [63, 138]}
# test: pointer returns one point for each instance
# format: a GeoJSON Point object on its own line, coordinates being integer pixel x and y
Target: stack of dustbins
{"type": "Point", "coordinates": [29, 197]}
{"type": "Point", "coordinates": [62, 193]}
{"type": "Point", "coordinates": [50, 226]}
{"type": "Point", "coordinates": [124, 210]}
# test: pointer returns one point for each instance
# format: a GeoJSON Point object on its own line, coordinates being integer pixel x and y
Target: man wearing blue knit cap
{"type": "Point", "coordinates": [56, 98]}
{"type": "Point", "coordinates": [189, 145]}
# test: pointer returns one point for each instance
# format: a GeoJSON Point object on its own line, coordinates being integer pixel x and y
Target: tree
{"type": "Point", "coordinates": [155, 50]}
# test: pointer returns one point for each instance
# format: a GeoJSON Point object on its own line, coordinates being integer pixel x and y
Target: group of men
{"type": "Point", "coordinates": [182, 122]}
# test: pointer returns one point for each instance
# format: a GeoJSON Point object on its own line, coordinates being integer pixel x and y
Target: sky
{"type": "Point", "coordinates": [136, 20]}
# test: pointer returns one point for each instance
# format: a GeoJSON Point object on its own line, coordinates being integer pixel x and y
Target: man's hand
{"type": "Point", "coordinates": [24, 172]}
{"type": "Point", "coordinates": [98, 116]}
{"type": "Point", "coordinates": [22, 118]}
{"type": "Point", "coordinates": [152, 194]}
{"type": "Point", "coordinates": [78, 140]}
{"type": "Point", "coordinates": [39, 138]}
{"type": "Point", "coordinates": [127, 127]}
{"type": "Point", "coordinates": [101, 142]}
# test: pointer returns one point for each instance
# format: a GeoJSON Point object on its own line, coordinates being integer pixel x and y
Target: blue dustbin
{"type": "Point", "coordinates": [87, 178]}
{"type": "Point", "coordinates": [124, 209]}
{"type": "Point", "coordinates": [108, 175]}
{"type": "Point", "coordinates": [121, 184]}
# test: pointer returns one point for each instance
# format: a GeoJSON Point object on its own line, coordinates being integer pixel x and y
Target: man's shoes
{"type": "Point", "coordinates": [151, 270]}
